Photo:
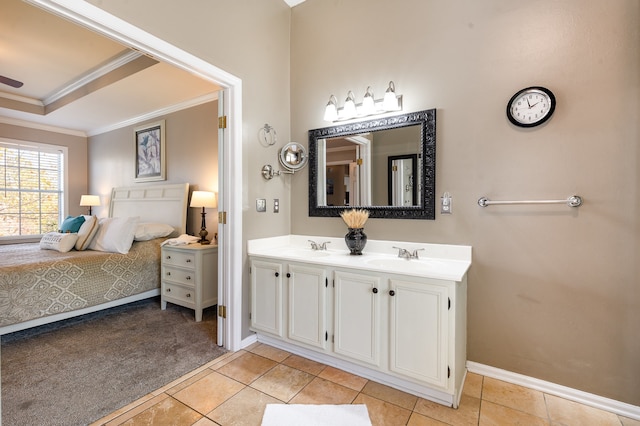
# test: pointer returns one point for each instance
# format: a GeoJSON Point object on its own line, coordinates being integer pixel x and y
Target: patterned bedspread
{"type": "Point", "coordinates": [35, 283]}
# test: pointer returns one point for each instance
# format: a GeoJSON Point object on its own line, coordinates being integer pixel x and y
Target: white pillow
{"type": "Point", "coordinates": [62, 242]}
{"type": "Point", "coordinates": [86, 232]}
{"type": "Point", "coordinates": [149, 231]}
{"type": "Point", "coordinates": [114, 235]}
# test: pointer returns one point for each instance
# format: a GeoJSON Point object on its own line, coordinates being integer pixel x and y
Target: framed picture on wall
{"type": "Point", "coordinates": [150, 152]}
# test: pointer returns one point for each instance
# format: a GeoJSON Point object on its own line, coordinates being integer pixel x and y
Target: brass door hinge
{"type": "Point", "coordinates": [222, 218]}
{"type": "Point", "coordinates": [222, 122]}
{"type": "Point", "coordinates": [359, 161]}
{"type": "Point", "coordinates": [222, 311]}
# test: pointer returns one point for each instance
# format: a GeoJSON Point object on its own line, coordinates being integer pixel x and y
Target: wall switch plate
{"type": "Point", "coordinates": [261, 205]}
{"type": "Point", "coordinates": [445, 204]}
{"type": "Point", "coordinates": [276, 205]}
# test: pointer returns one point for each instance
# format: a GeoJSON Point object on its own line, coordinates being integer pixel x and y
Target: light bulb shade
{"type": "Point", "coordinates": [204, 199]}
{"type": "Point", "coordinates": [390, 102]}
{"type": "Point", "coordinates": [330, 112]}
{"type": "Point", "coordinates": [89, 200]}
{"type": "Point", "coordinates": [368, 103]}
{"type": "Point", "coordinates": [349, 109]}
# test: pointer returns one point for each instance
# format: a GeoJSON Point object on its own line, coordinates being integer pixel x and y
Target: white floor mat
{"type": "Point", "coordinates": [315, 415]}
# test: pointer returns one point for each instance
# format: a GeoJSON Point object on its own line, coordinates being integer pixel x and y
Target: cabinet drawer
{"type": "Point", "coordinates": [179, 258]}
{"type": "Point", "coordinates": [185, 295]}
{"type": "Point", "coordinates": [186, 277]}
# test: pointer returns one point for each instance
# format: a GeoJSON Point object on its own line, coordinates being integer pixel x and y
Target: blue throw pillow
{"type": "Point", "coordinates": [72, 224]}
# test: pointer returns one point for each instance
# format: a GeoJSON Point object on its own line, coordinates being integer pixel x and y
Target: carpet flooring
{"type": "Point", "coordinates": [76, 371]}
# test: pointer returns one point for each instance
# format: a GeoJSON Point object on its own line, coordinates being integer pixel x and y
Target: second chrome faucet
{"type": "Point", "coordinates": [406, 254]}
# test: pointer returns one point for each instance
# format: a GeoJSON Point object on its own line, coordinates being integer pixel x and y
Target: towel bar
{"type": "Point", "coordinates": [572, 201]}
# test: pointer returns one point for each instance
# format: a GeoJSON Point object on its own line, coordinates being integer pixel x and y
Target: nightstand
{"type": "Point", "coordinates": [190, 276]}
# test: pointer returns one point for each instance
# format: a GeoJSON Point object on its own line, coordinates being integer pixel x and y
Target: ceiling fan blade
{"type": "Point", "coordinates": [10, 82]}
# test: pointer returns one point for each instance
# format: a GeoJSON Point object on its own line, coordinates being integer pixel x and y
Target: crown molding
{"type": "Point", "coordinates": [38, 126]}
{"type": "Point", "coordinates": [155, 114]}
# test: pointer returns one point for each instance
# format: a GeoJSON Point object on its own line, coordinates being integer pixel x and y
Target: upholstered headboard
{"type": "Point", "coordinates": [157, 203]}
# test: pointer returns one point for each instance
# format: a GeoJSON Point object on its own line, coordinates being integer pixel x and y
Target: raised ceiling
{"type": "Point", "coordinates": [78, 81]}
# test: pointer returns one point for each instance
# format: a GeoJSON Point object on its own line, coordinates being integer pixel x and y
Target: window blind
{"type": "Point", "coordinates": [31, 188]}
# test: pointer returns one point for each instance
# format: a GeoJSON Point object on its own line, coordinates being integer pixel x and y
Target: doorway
{"type": "Point", "coordinates": [230, 144]}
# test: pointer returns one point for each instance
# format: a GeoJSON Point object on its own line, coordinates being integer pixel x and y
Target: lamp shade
{"type": "Point", "coordinates": [390, 102]}
{"type": "Point", "coordinates": [204, 199]}
{"type": "Point", "coordinates": [349, 109]}
{"type": "Point", "coordinates": [368, 103]}
{"type": "Point", "coordinates": [331, 111]}
{"type": "Point", "coordinates": [89, 200]}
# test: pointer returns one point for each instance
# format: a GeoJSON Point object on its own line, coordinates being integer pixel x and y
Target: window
{"type": "Point", "coordinates": [32, 182]}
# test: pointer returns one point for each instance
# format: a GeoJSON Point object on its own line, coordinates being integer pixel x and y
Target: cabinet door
{"type": "Point", "coordinates": [419, 331]}
{"type": "Point", "coordinates": [357, 317]}
{"type": "Point", "coordinates": [266, 297]}
{"type": "Point", "coordinates": [307, 305]}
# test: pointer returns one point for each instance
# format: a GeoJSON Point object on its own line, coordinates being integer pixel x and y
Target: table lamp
{"type": "Point", "coordinates": [89, 200]}
{"type": "Point", "coordinates": [204, 199]}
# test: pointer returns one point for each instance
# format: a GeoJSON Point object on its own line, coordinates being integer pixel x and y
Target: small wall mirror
{"type": "Point", "coordinates": [386, 165]}
{"type": "Point", "coordinates": [293, 156]}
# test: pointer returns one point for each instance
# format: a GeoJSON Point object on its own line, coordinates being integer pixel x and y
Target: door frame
{"type": "Point", "coordinates": [230, 191]}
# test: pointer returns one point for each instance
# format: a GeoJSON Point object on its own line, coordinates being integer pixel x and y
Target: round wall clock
{"type": "Point", "coordinates": [531, 106]}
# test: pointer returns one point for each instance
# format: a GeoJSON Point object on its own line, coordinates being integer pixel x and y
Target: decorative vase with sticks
{"type": "Point", "coordinates": [356, 239]}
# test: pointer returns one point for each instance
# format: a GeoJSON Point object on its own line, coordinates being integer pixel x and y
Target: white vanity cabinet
{"type": "Point", "coordinates": [291, 297]}
{"type": "Point", "coordinates": [399, 322]}
{"type": "Point", "coordinates": [307, 305]}
{"type": "Point", "coordinates": [266, 296]}
{"type": "Point", "coordinates": [357, 316]}
{"type": "Point", "coordinates": [419, 314]}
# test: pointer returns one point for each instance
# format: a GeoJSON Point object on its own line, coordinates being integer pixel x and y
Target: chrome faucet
{"type": "Point", "coordinates": [406, 254]}
{"type": "Point", "coordinates": [319, 246]}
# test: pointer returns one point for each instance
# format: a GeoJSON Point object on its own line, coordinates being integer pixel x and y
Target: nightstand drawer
{"type": "Point", "coordinates": [178, 275]}
{"type": "Point", "coordinates": [179, 258]}
{"type": "Point", "coordinates": [179, 293]}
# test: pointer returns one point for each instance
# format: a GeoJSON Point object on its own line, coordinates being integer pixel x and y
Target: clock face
{"type": "Point", "coordinates": [531, 106]}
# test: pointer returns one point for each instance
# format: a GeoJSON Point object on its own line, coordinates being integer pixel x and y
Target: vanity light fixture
{"type": "Point", "coordinates": [349, 109]}
{"type": "Point", "coordinates": [369, 106]}
{"type": "Point", "coordinates": [390, 102]}
{"type": "Point", "coordinates": [331, 111]}
{"type": "Point", "coordinates": [368, 103]}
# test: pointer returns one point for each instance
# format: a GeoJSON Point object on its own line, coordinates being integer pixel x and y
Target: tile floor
{"type": "Point", "coordinates": [234, 389]}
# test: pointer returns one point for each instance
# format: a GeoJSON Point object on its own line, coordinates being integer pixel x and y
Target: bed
{"type": "Point", "coordinates": [42, 286]}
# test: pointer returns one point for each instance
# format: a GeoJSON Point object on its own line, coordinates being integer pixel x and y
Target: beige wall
{"type": "Point", "coordinates": [76, 150]}
{"type": "Point", "coordinates": [192, 157]}
{"type": "Point", "coordinates": [553, 291]}
{"type": "Point", "coordinates": [249, 39]}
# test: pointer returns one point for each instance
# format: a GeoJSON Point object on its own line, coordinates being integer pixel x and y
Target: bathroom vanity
{"type": "Point", "coordinates": [400, 321]}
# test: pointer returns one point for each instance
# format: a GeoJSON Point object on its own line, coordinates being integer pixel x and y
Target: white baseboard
{"type": "Point", "coordinates": [248, 341]}
{"type": "Point", "coordinates": [607, 404]}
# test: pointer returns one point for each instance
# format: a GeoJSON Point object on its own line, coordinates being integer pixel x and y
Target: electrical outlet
{"type": "Point", "coordinates": [445, 204]}
{"type": "Point", "coordinates": [261, 205]}
{"type": "Point", "coordinates": [276, 205]}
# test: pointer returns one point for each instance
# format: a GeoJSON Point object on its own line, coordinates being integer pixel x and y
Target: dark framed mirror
{"type": "Point", "coordinates": [349, 166]}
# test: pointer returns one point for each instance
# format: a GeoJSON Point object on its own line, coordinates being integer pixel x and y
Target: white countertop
{"type": "Point", "coordinates": [438, 261]}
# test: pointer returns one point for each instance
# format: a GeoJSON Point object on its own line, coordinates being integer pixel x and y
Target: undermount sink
{"type": "Point", "coordinates": [405, 264]}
